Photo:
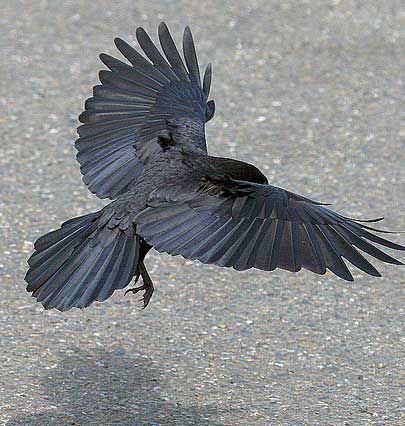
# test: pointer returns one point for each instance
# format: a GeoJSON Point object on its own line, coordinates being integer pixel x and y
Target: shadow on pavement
{"type": "Point", "coordinates": [110, 388]}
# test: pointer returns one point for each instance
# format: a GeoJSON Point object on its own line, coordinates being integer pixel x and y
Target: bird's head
{"type": "Point", "coordinates": [184, 133]}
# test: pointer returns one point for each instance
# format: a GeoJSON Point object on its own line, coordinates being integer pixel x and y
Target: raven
{"type": "Point", "coordinates": [142, 145]}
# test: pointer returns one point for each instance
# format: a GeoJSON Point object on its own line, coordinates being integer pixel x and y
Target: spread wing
{"type": "Point", "coordinates": [245, 225]}
{"type": "Point", "coordinates": [134, 103]}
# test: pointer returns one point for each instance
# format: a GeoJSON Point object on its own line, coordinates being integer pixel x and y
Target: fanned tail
{"type": "Point", "coordinates": [85, 260]}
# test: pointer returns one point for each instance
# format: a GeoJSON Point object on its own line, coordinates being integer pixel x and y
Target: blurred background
{"type": "Point", "coordinates": [309, 91]}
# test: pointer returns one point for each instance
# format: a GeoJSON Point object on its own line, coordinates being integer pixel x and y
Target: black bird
{"type": "Point", "coordinates": [143, 146]}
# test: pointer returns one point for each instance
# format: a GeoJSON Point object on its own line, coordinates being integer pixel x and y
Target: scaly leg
{"type": "Point", "coordinates": [147, 284]}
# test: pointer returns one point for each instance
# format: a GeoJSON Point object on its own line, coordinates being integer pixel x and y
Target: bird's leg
{"type": "Point", "coordinates": [147, 284]}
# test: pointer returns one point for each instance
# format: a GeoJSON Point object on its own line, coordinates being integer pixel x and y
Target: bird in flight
{"type": "Point", "coordinates": [142, 145]}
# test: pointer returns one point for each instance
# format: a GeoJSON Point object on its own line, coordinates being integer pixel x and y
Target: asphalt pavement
{"type": "Point", "coordinates": [309, 91]}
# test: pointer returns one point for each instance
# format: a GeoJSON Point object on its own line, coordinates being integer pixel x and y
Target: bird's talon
{"type": "Point", "coordinates": [135, 290]}
{"type": "Point", "coordinates": [147, 286]}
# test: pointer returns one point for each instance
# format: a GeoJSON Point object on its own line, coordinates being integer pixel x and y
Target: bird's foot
{"type": "Point", "coordinates": [147, 285]}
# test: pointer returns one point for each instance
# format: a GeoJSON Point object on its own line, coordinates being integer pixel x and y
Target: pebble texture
{"type": "Point", "coordinates": [309, 91]}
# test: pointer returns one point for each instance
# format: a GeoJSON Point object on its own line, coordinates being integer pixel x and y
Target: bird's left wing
{"type": "Point", "coordinates": [243, 225]}
{"type": "Point", "coordinates": [134, 103]}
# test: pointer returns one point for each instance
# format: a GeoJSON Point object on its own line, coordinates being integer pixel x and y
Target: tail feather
{"type": "Point", "coordinates": [67, 228]}
{"type": "Point", "coordinates": [81, 262]}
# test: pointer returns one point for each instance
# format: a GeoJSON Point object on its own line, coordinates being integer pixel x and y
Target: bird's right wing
{"type": "Point", "coordinates": [244, 225]}
{"type": "Point", "coordinates": [134, 103]}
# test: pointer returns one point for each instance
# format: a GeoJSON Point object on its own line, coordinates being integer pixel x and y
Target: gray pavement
{"type": "Point", "coordinates": [310, 91]}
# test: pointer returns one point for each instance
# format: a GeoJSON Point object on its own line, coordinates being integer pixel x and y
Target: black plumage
{"type": "Point", "coordinates": [142, 144]}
